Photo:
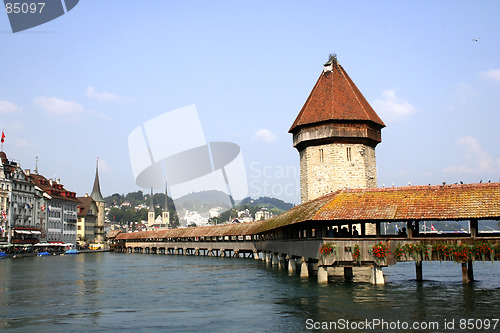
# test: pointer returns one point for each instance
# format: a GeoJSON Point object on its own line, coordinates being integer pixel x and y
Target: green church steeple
{"type": "Point", "coordinates": [96, 191]}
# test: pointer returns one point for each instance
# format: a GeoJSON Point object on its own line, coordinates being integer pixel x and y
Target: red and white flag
{"type": "Point", "coordinates": [3, 137]}
{"type": "Point", "coordinates": [432, 227]}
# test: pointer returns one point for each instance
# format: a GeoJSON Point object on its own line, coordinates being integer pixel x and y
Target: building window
{"type": "Point", "coordinates": [321, 156]}
{"type": "Point", "coordinates": [348, 154]}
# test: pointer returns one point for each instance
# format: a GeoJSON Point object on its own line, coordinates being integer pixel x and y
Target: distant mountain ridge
{"type": "Point", "coordinates": [201, 202]}
{"type": "Point", "coordinates": [267, 201]}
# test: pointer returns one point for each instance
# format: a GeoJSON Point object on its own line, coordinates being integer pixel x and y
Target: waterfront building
{"type": "Point", "coordinates": [87, 219]}
{"type": "Point", "coordinates": [18, 201]}
{"type": "Point", "coordinates": [336, 133]}
{"type": "Point", "coordinates": [40, 211]}
{"type": "Point", "coordinates": [5, 186]}
{"type": "Point", "coordinates": [61, 207]}
{"type": "Point", "coordinates": [99, 200]}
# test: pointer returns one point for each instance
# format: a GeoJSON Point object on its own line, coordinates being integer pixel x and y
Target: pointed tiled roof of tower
{"type": "Point", "coordinates": [151, 203]}
{"type": "Point", "coordinates": [165, 204]}
{"type": "Point", "coordinates": [335, 97]}
{"type": "Point", "coordinates": [96, 191]}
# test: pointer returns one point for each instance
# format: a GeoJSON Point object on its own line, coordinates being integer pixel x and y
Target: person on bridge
{"type": "Point", "coordinates": [355, 232]}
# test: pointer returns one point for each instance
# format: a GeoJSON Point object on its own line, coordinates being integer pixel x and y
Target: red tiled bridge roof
{"type": "Point", "coordinates": [443, 202]}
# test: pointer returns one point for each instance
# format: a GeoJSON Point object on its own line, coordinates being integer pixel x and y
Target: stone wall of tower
{"type": "Point", "coordinates": [165, 218]}
{"type": "Point", "coordinates": [151, 218]}
{"type": "Point", "coordinates": [100, 233]}
{"type": "Point", "coordinates": [330, 167]}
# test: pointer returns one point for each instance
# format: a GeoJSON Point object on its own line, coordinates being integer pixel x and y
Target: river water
{"type": "Point", "coordinates": [109, 292]}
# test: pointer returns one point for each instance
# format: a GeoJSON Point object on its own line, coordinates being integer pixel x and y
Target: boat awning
{"type": "Point", "coordinates": [23, 231]}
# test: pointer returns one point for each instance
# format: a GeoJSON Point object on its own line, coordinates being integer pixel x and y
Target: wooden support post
{"type": "Point", "coordinates": [292, 265]}
{"type": "Point", "coordinates": [256, 255]}
{"type": "Point", "coordinates": [377, 276]}
{"type": "Point", "coordinates": [304, 270]}
{"type": "Point", "coordinates": [274, 261]}
{"type": "Point", "coordinates": [465, 274]}
{"type": "Point", "coordinates": [377, 229]}
{"type": "Point", "coordinates": [348, 275]}
{"type": "Point", "coordinates": [282, 262]}
{"type": "Point", "coordinates": [418, 270]}
{"type": "Point", "coordinates": [322, 274]}
{"type": "Point", "coordinates": [474, 225]}
{"type": "Point", "coordinates": [409, 230]}
{"type": "Point", "coordinates": [470, 270]}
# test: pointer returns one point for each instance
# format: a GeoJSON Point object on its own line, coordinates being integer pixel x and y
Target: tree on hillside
{"type": "Point", "coordinates": [135, 198]}
{"type": "Point", "coordinates": [115, 199]}
{"type": "Point", "coordinates": [124, 215]}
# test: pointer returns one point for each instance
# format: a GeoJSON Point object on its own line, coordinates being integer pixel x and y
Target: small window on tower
{"type": "Point", "coordinates": [321, 157]}
{"type": "Point", "coordinates": [349, 157]}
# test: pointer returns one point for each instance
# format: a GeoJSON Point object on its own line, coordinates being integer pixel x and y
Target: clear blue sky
{"type": "Point", "coordinates": [74, 88]}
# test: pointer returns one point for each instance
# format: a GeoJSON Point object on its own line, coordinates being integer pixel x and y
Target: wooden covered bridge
{"type": "Point", "coordinates": [347, 225]}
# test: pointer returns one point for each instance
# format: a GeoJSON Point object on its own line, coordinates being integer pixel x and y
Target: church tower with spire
{"type": "Point", "coordinates": [151, 212]}
{"type": "Point", "coordinates": [99, 200]}
{"type": "Point", "coordinates": [336, 133]}
{"type": "Point", "coordinates": [165, 215]}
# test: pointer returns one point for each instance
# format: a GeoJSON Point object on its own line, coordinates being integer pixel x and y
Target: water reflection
{"type": "Point", "coordinates": [110, 292]}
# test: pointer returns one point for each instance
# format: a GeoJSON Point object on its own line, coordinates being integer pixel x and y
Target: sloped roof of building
{"type": "Point", "coordinates": [335, 97]}
{"type": "Point", "coordinates": [85, 204]}
{"type": "Point", "coordinates": [237, 229]}
{"type": "Point", "coordinates": [437, 202]}
{"type": "Point", "coordinates": [53, 188]}
{"type": "Point", "coordinates": [113, 233]}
